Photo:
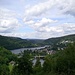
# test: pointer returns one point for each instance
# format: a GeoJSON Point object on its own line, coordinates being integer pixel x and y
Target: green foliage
{"type": "Point", "coordinates": [61, 63]}
{"type": "Point", "coordinates": [60, 42]}
{"type": "Point", "coordinates": [15, 71]}
{"type": "Point", "coordinates": [11, 43]}
{"type": "Point", "coordinates": [66, 61]}
{"type": "Point", "coordinates": [5, 57]}
{"type": "Point", "coordinates": [23, 66]}
{"type": "Point", "coordinates": [47, 64]}
{"type": "Point", "coordinates": [53, 41]}
{"type": "Point", "coordinates": [14, 42]}
{"type": "Point", "coordinates": [37, 67]}
{"type": "Point", "coordinates": [38, 63]}
{"type": "Point", "coordinates": [4, 70]}
{"type": "Point", "coordinates": [10, 67]}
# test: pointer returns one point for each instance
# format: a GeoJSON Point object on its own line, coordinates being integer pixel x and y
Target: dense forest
{"type": "Point", "coordinates": [56, 40]}
{"type": "Point", "coordinates": [15, 43]}
{"type": "Point", "coordinates": [60, 63]}
{"type": "Point", "coordinates": [5, 57]}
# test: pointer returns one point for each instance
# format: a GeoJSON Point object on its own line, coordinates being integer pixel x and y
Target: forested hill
{"type": "Point", "coordinates": [14, 42]}
{"type": "Point", "coordinates": [63, 39]}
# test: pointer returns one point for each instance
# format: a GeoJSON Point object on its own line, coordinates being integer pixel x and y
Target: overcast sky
{"type": "Point", "coordinates": [40, 19]}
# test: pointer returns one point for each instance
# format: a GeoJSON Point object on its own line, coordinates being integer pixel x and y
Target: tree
{"type": "Point", "coordinates": [23, 67]}
{"type": "Point", "coordinates": [61, 63]}
{"type": "Point", "coordinates": [66, 61]}
{"type": "Point", "coordinates": [37, 67]}
{"type": "Point", "coordinates": [4, 70]}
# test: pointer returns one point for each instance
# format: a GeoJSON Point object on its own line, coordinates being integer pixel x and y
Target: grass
{"type": "Point", "coordinates": [10, 67]}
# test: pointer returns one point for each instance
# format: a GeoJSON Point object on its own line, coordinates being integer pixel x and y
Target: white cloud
{"type": "Point", "coordinates": [6, 13]}
{"type": "Point", "coordinates": [63, 29]}
{"type": "Point", "coordinates": [67, 7]}
{"type": "Point", "coordinates": [42, 18]}
{"type": "Point", "coordinates": [63, 6]}
{"type": "Point", "coordinates": [8, 25]}
{"type": "Point", "coordinates": [44, 26]}
{"type": "Point", "coordinates": [54, 31]}
{"type": "Point", "coordinates": [39, 25]}
{"type": "Point", "coordinates": [8, 21]}
{"type": "Point", "coordinates": [44, 22]}
{"type": "Point", "coordinates": [39, 9]}
{"type": "Point", "coordinates": [22, 35]}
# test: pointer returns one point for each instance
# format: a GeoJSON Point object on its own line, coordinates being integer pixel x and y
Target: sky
{"type": "Point", "coordinates": [37, 19]}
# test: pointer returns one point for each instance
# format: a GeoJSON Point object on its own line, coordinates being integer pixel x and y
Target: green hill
{"type": "Point", "coordinates": [63, 39]}
{"type": "Point", "coordinates": [59, 42]}
{"type": "Point", "coordinates": [14, 42]}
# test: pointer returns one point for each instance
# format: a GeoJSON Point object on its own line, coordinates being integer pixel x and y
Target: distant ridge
{"type": "Point", "coordinates": [15, 42]}
{"type": "Point", "coordinates": [60, 39]}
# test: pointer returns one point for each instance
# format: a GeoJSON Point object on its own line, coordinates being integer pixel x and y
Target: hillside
{"type": "Point", "coordinates": [37, 42]}
{"type": "Point", "coordinates": [14, 42]}
{"type": "Point", "coordinates": [63, 39]}
{"type": "Point", "coordinates": [59, 43]}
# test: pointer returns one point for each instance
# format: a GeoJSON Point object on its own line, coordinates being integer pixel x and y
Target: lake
{"type": "Point", "coordinates": [17, 51]}
{"type": "Point", "coordinates": [41, 60]}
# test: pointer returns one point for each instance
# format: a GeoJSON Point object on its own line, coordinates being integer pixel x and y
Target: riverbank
{"type": "Point", "coordinates": [17, 51]}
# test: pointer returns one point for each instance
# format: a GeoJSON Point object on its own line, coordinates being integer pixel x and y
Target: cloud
{"type": "Point", "coordinates": [39, 9]}
{"type": "Point", "coordinates": [8, 25]}
{"type": "Point", "coordinates": [37, 18]}
{"type": "Point", "coordinates": [6, 13]}
{"type": "Point", "coordinates": [43, 24]}
{"type": "Point", "coordinates": [8, 21]}
{"type": "Point", "coordinates": [39, 25]}
{"type": "Point", "coordinates": [46, 18]}
{"type": "Point", "coordinates": [63, 6]}
{"type": "Point", "coordinates": [53, 31]}
{"type": "Point", "coordinates": [22, 35]}
{"type": "Point", "coordinates": [67, 7]}
{"type": "Point", "coordinates": [60, 29]}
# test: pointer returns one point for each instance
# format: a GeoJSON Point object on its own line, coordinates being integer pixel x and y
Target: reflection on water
{"type": "Point", "coordinates": [34, 61]}
{"type": "Point", "coordinates": [17, 51]}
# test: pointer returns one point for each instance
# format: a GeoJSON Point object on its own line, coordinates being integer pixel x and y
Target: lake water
{"type": "Point", "coordinates": [17, 51]}
{"type": "Point", "coordinates": [41, 60]}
